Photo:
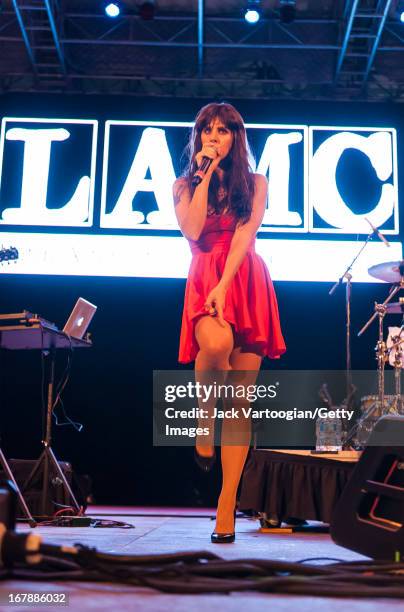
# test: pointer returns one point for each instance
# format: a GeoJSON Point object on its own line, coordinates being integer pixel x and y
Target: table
{"type": "Point", "coordinates": [295, 483]}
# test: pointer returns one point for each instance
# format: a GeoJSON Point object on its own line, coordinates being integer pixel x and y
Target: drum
{"type": "Point", "coordinates": [371, 413]}
{"type": "Point", "coordinates": [371, 408]}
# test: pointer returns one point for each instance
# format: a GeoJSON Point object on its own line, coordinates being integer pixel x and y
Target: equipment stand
{"type": "Point", "coordinates": [47, 462]}
{"type": "Point", "coordinates": [30, 333]}
{"type": "Point", "coordinates": [350, 390]}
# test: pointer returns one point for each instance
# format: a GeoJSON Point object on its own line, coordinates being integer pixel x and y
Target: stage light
{"type": "Point", "coordinates": [252, 13]}
{"type": "Point", "coordinates": [287, 11]}
{"type": "Point", "coordinates": [399, 11]}
{"type": "Point", "coordinates": [251, 16]}
{"type": "Point", "coordinates": [112, 9]}
{"type": "Point", "coordinates": [147, 10]}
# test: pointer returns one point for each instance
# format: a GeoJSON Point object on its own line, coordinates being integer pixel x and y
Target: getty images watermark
{"type": "Point", "coordinates": [280, 408]}
{"type": "Point", "coordinates": [206, 393]}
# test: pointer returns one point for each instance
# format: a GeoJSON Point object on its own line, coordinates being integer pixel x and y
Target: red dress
{"type": "Point", "coordinates": [250, 307]}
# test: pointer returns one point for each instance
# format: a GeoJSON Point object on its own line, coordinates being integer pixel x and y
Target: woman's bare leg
{"type": "Point", "coordinates": [211, 365]}
{"type": "Point", "coordinates": [236, 436]}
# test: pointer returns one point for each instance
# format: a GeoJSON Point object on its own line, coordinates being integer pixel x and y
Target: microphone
{"type": "Point", "coordinates": [201, 171]}
{"type": "Point", "coordinates": [378, 234]}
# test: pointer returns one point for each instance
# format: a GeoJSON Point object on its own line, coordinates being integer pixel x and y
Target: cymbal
{"type": "Point", "coordinates": [395, 308]}
{"type": "Point", "coordinates": [389, 271]}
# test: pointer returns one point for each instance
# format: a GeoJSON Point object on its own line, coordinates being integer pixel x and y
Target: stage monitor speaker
{"type": "Point", "coordinates": [8, 505]}
{"type": "Point", "coordinates": [57, 499]}
{"type": "Point", "coordinates": [369, 515]}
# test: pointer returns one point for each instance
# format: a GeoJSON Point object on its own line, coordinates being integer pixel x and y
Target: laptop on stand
{"type": "Point", "coordinates": [80, 318]}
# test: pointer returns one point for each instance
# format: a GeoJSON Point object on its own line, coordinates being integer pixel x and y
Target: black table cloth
{"type": "Point", "coordinates": [287, 485]}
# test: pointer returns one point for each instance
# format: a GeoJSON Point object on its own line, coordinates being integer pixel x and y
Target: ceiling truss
{"type": "Point", "coordinates": [202, 55]}
{"type": "Point", "coordinates": [39, 31]}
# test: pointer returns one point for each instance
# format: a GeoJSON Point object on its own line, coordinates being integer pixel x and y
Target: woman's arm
{"type": "Point", "coordinates": [191, 212]}
{"type": "Point", "coordinates": [241, 241]}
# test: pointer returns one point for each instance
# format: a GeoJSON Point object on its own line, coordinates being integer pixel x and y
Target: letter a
{"type": "Point", "coordinates": [154, 156]}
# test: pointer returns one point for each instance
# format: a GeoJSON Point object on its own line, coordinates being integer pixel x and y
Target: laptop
{"type": "Point", "coordinates": [80, 318]}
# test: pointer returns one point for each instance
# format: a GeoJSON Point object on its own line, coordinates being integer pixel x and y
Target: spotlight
{"type": "Point", "coordinates": [147, 10]}
{"type": "Point", "coordinates": [252, 16]}
{"type": "Point", "coordinates": [287, 11]}
{"type": "Point", "coordinates": [252, 13]}
{"type": "Point", "coordinates": [112, 9]}
{"type": "Point", "coordinates": [399, 11]}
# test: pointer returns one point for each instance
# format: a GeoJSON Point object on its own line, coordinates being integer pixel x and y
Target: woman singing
{"type": "Point", "coordinates": [230, 318]}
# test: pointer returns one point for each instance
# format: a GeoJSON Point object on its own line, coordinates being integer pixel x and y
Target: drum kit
{"type": "Point", "coordinates": [390, 351]}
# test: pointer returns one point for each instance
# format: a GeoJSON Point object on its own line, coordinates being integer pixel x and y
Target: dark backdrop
{"type": "Point", "coordinates": [137, 326]}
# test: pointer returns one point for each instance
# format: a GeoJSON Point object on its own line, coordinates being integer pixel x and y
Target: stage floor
{"type": "Point", "coordinates": [167, 530]}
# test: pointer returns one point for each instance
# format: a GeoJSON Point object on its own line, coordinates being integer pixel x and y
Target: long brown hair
{"type": "Point", "coordinates": [239, 179]}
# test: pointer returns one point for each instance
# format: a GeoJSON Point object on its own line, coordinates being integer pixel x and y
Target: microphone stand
{"type": "Point", "coordinates": [348, 297]}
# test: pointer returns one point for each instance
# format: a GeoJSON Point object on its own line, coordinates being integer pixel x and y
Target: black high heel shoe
{"type": "Point", "coordinates": [224, 538]}
{"type": "Point", "coordinates": [205, 463]}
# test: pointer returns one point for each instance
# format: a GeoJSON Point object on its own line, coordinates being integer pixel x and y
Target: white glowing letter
{"type": "Point", "coordinates": [154, 156]}
{"type": "Point", "coordinates": [324, 194]}
{"type": "Point", "coordinates": [32, 209]}
{"type": "Point", "coordinates": [276, 157]}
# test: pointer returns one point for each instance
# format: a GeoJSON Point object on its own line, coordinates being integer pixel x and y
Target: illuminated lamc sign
{"type": "Point", "coordinates": [48, 175]}
{"type": "Point", "coordinates": [321, 180]}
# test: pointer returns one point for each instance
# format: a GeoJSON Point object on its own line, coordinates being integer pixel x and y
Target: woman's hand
{"type": "Point", "coordinates": [211, 151]}
{"type": "Point", "coordinates": [214, 303]}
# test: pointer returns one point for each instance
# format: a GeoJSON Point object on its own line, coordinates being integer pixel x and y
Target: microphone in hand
{"type": "Point", "coordinates": [204, 159]}
{"type": "Point", "coordinates": [202, 170]}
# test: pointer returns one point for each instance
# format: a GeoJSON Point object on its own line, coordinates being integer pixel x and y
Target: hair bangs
{"type": "Point", "coordinates": [222, 111]}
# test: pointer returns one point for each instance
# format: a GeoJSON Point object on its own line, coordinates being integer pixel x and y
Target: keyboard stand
{"type": "Point", "coordinates": [39, 336]}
